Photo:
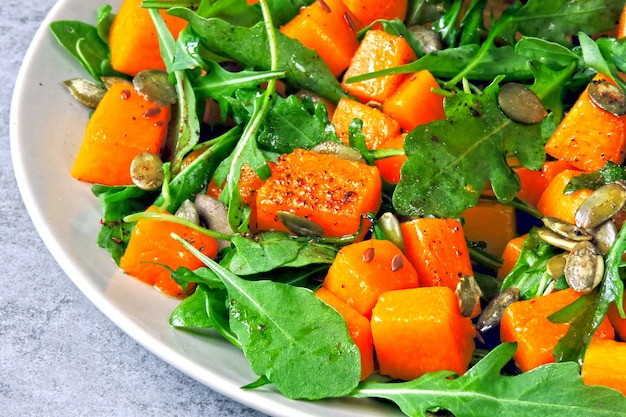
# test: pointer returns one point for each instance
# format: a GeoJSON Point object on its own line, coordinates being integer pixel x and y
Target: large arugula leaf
{"type": "Point", "coordinates": [553, 20]}
{"type": "Point", "coordinates": [310, 357]}
{"type": "Point", "coordinates": [293, 123]}
{"type": "Point", "coordinates": [249, 46]}
{"type": "Point", "coordinates": [450, 161]}
{"type": "Point", "coordinates": [271, 250]}
{"type": "Point", "coordinates": [556, 390]}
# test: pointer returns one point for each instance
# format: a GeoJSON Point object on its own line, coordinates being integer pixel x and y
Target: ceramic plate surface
{"type": "Point", "coordinates": [46, 131]}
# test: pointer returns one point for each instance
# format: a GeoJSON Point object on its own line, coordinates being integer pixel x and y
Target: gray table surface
{"type": "Point", "coordinates": [49, 365]}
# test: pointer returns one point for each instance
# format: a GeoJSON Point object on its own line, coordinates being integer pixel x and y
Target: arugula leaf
{"type": "Point", "coordinates": [449, 162]}
{"type": "Point", "coordinates": [304, 68]}
{"type": "Point", "coordinates": [219, 83]}
{"type": "Point", "coordinates": [292, 123]}
{"type": "Point", "coordinates": [423, 11]}
{"type": "Point", "coordinates": [553, 20]}
{"type": "Point", "coordinates": [593, 180]}
{"type": "Point", "coordinates": [204, 309]}
{"type": "Point", "coordinates": [312, 357]}
{"type": "Point", "coordinates": [187, 125]}
{"type": "Point", "coordinates": [529, 272]}
{"type": "Point", "coordinates": [483, 391]}
{"type": "Point", "coordinates": [600, 59]}
{"type": "Point", "coordinates": [83, 41]}
{"type": "Point", "coordinates": [271, 250]}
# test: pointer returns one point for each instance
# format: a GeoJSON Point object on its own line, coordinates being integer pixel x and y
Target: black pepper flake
{"type": "Point", "coordinates": [368, 254]}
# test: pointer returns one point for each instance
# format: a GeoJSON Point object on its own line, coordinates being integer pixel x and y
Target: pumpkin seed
{"type": "Point", "coordinates": [468, 292]}
{"type": "Point", "coordinates": [492, 314]}
{"type": "Point", "coordinates": [390, 226]}
{"type": "Point", "coordinates": [555, 267]}
{"type": "Point", "coordinates": [608, 97]}
{"type": "Point", "coordinates": [214, 215]}
{"type": "Point", "coordinates": [601, 205]}
{"type": "Point", "coordinates": [584, 267]}
{"type": "Point", "coordinates": [188, 211]}
{"type": "Point", "coordinates": [555, 239]}
{"type": "Point", "coordinates": [604, 236]}
{"type": "Point", "coordinates": [146, 171]}
{"type": "Point", "coordinates": [566, 229]}
{"type": "Point", "coordinates": [429, 40]}
{"type": "Point", "coordinates": [298, 225]}
{"type": "Point", "coordinates": [108, 81]}
{"type": "Point", "coordinates": [154, 85]}
{"type": "Point", "coordinates": [85, 91]}
{"type": "Point", "coordinates": [521, 104]}
{"type": "Point", "coordinates": [339, 150]}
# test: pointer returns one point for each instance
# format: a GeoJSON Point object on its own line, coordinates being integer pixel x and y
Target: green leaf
{"type": "Point", "coordinates": [484, 391]}
{"type": "Point", "coordinates": [529, 272]}
{"type": "Point", "coordinates": [83, 41]}
{"type": "Point", "coordinates": [595, 57]}
{"type": "Point", "coordinates": [304, 68]}
{"type": "Point", "coordinates": [449, 162]}
{"type": "Point", "coordinates": [292, 123]}
{"type": "Point", "coordinates": [219, 83]}
{"type": "Point", "coordinates": [593, 180]}
{"type": "Point", "coordinates": [290, 336]}
{"type": "Point", "coordinates": [553, 20]}
{"type": "Point", "coordinates": [272, 250]}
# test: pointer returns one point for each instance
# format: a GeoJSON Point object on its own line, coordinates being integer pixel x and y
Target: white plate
{"type": "Point", "coordinates": [46, 130]}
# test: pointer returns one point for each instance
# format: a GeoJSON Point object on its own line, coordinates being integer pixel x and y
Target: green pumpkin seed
{"type": "Point", "coordinates": [521, 104]}
{"type": "Point", "coordinates": [608, 97]}
{"type": "Point", "coordinates": [146, 171]}
{"type": "Point", "coordinates": [154, 85]}
{"type": "Point", "coordinates": [85, 91]}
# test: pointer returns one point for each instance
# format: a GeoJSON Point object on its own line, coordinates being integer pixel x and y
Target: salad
{"type": "Point", "coordinates": [414, 201]}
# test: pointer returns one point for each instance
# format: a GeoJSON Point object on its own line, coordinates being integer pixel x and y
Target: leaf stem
{"type": "Point", "coordinates": [167, 217]}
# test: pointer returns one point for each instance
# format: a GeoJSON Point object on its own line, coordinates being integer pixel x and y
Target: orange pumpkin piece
{"type": "Point", "coordinates": [554, 203]}
{"type": "Point", "coordinates": [510, 255]}
{"type": "Point", "coordinates": [438, 250]}
{"type": "Point", "coordinates": [133, 38]}
{"type": "Point", "coordinates": [364, 270]}
{"type": "Point", "coordinates": [621, 25]}
{"type": "Point", "coordinates": [151, 248]}
{"type": "Point", "coordinates": [123, 125]}
{"type": "Point", "coordinates": [249, 183]}
{"type": "Point", "coordinates": [605, 364]}
{"type": "Point", "coordinates": [551, 169]}
{"type": "Point", "coordinates": [378, 128]}
{"type": "Point", "coordinates": [526, 322]}
{"type": "Point", "coordinates": [414, 103]}
{"type": "Point", "coordinates": [328, 190]}
{"type": "Point", "coordinates": [588, 136]}
{"type": "Point", "coordinates": [358, 327]}
{"type": "Point", "coordinates": [328, 28]}
{"type": "Point", "coordinates": [390, 167]}
{"type": "Point", "coordinates": [490, 222]}
{"type": "Point", "coordinates": [369, 10]}
{"type": "Point", "coordinates": [378, 51]}
{"type": "Point", "coordinates": [421, 330]}
{"type": "Point", "coordinates": [532, 182]}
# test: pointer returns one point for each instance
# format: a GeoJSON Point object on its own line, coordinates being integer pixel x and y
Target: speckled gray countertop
{"type": "Point", "coordinates": [59, 355]}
